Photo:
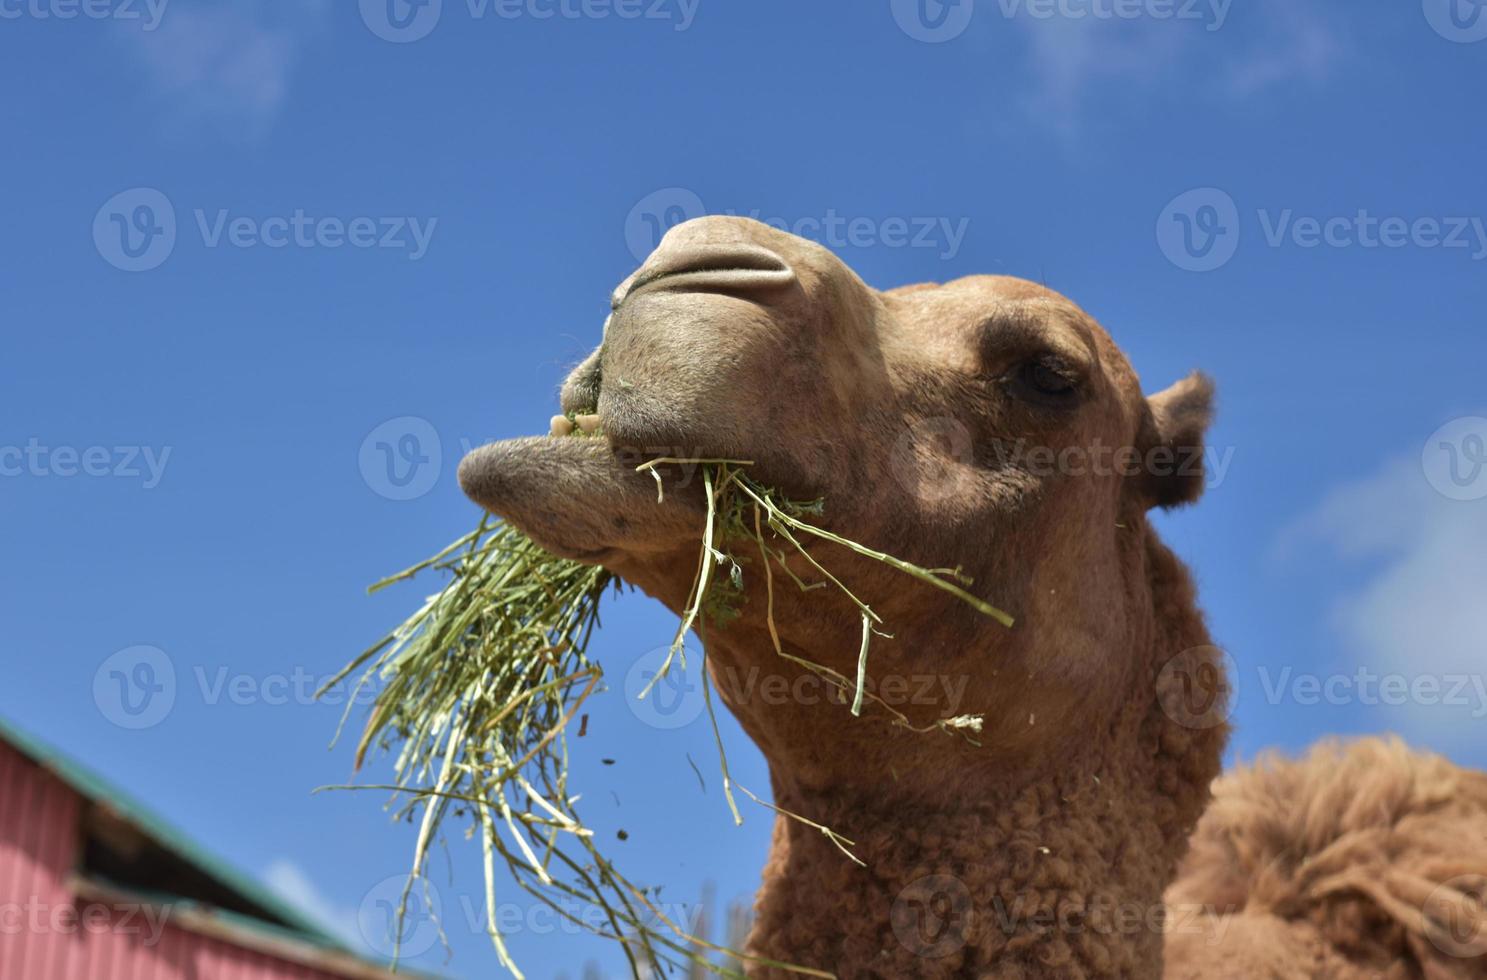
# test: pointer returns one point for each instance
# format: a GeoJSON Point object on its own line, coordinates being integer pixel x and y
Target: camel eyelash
{"type": "Point", "coordinates": [1046, 380]}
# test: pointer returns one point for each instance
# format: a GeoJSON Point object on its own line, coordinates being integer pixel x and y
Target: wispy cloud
{"type": "Point", "coordinates": [1299, 44]}
{"type": "Point", "coordinates": [227, 65]}
{"type": "Point", "coordinates": [1418, 610]}
{"type": "Point", "coordinates": [1070, 57]}
{"type": "Point", "coordinates": [1075, 61]}
{"type": "Point", "coordinates": [289, 881]}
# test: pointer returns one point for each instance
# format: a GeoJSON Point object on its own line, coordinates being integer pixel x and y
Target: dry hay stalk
{"type": "Point", "coordinates": [480, 685]}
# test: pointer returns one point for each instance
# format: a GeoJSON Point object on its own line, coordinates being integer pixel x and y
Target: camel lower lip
{"type": "Point", "coordinates": [576, 497]}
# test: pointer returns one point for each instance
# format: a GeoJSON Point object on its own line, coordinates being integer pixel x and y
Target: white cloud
{"type": "Point", "coordinates": [1068, 57]}
{"type": "Point", "coordinates": [1074, 59]}
{"type": "Point", "coordinates": [1421, 607]}
{"type": "Point", "coordinates": [289, 881]}
{"type": "Point", "coordinates": [223, 64]}
{"type": "Point", "coordinates": [1300, 45]}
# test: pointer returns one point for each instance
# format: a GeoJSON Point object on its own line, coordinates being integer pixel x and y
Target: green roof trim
{"type": "Point", "coordinates": [91, 786]}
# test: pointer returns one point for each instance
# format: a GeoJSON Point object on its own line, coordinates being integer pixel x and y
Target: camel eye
{"type": "Point", "coordinates": [1048, 380]}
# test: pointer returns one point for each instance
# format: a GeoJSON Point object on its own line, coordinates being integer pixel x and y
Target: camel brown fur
{"type": "Point", "coordinates": [990, 424]}
{"type": "Point", "coordinates": [1362, 860]}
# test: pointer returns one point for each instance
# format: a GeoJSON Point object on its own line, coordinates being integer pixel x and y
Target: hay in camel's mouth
{"type": "Point", "coordinates": [480, 689]}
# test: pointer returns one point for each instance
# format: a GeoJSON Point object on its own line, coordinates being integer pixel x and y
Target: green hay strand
{"type": "Point", "coordinates": [479, 686]}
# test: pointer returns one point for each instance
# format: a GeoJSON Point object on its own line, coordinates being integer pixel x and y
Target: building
{"type": "Point", "coordinates": [93, 885]}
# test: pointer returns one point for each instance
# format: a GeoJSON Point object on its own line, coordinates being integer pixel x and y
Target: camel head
{"type": "Point", "coordinates": [987, 424]}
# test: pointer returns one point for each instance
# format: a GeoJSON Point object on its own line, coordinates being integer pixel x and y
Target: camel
{"type": "Point", "coordinates": [986, 423]}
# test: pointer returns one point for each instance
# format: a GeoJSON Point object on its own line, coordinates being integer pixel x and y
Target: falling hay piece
{"type": "Point", "coordinates": [478, 690]}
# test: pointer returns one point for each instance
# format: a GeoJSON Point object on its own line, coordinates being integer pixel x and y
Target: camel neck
{"type": "Point", "coordinates": [1060, 878]}
{"type": "Point", "coordinates": [1038, 861]}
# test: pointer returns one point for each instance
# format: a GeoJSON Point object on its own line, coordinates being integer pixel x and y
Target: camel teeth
{"type": "Point", "coordinates": [561, 425]}
{"type": "Point", "coordinates": [588, 423]}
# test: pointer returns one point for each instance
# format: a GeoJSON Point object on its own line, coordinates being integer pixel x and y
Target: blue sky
{"type": "Point", "coordinates": [246, 246]}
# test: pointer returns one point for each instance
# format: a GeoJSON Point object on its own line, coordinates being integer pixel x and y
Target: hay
{"type": "Point", "coordinates": [480, 686]}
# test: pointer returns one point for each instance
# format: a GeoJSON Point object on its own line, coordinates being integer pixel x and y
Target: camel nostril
{"type": "Point", "coordinates": [734, 267]}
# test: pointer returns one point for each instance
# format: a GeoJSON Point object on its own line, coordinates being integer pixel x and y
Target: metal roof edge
{"type": "Point", "coordinates": [94, 787]}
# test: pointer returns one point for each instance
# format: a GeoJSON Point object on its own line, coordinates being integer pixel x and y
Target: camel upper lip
{"type": "Point", "coordinates": [740, 267]}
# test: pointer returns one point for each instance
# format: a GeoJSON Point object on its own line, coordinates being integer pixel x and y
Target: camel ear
{"type": "Point", "coordinates": [1173, 441]}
